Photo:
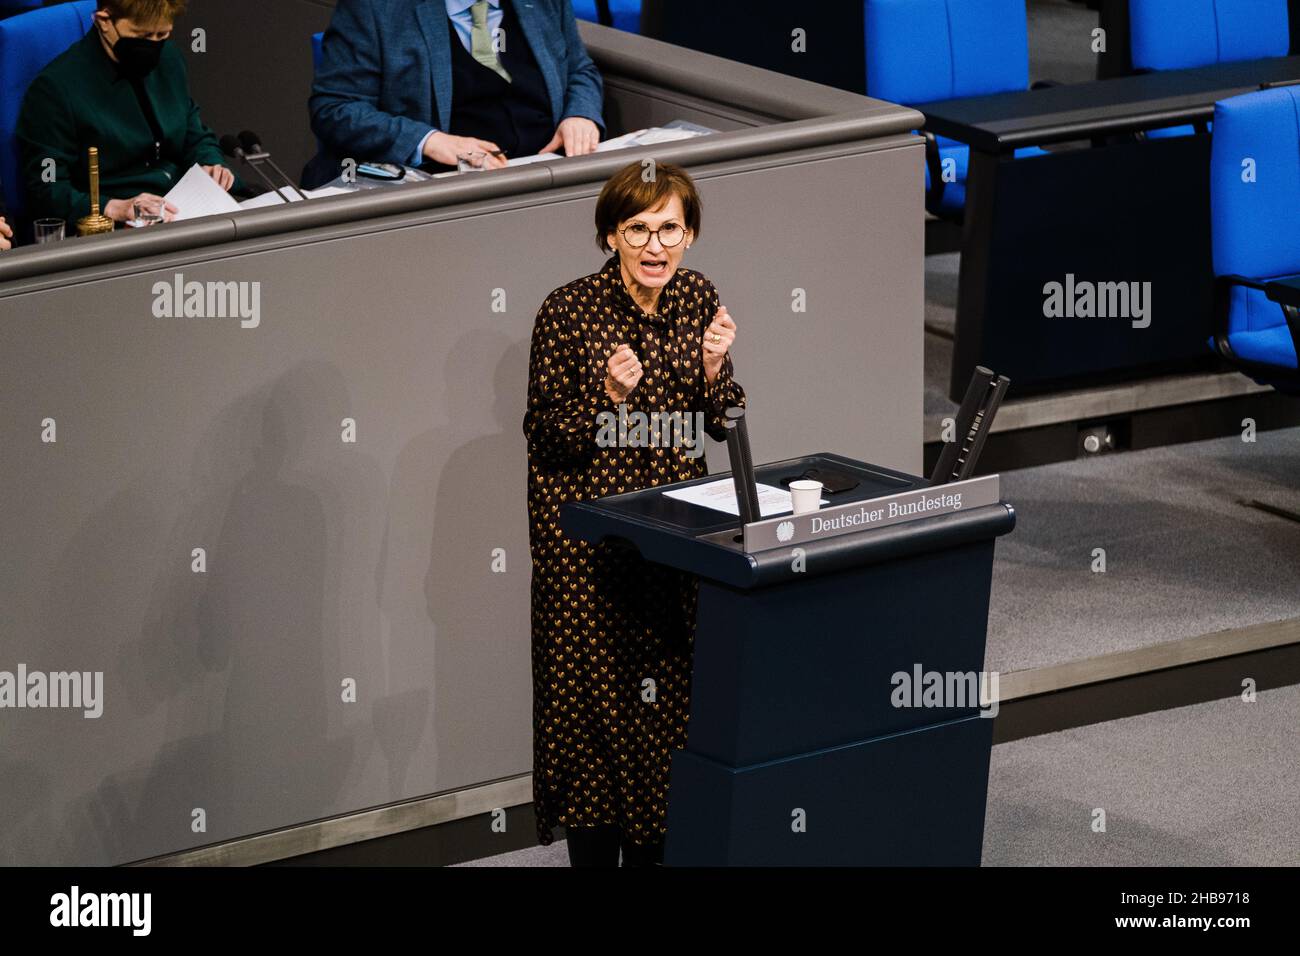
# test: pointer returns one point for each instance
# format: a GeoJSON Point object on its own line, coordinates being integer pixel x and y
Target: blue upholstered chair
{"type": "Point", "coordinates": [28, 42]}
{"type": "Point", "coordinates": [622, 14]}
{"type": "Point", "coordinates": [1181, 34]}
{"type": "Point", "coordinates": [1254, 206]}
{"type": "Point", "coordinates": [919, 51]}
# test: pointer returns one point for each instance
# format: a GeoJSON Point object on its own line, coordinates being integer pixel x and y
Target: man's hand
{"type": "Point", "coordinates": [717, 340]}
{"type": "Point", "coordinates": [6, 233]}
{"type": "Point", "coordinates": [221, 176]}
{"type": "Point", "coordinates": [444, 148]}
{"type": "Point", "coordinates": [623, 372]}
{"type": "Point", "coordinates": [123, 210]}
{"type": "Point", "coordinates": [577, 134]}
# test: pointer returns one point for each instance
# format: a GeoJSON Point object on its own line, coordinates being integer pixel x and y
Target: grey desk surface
{"type": "Point", "coordinates": [414, 175]}
{"type": "Point", "coordinates": [1006, 121]}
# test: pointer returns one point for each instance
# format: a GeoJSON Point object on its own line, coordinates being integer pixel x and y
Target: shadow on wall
{"type": "Point", "coordinates": [315, 572]}
{"type": "Point", "coordinates": [236, 671]}
{"type": "Point", "coordinates": [436, 577]}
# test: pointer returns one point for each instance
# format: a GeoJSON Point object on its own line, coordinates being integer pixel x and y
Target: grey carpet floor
{"type": "Point", "coordinates": [1060, 41]}
{"type": "Point", "coordinates": [940, 320]}
{"type": "Point", "coordinates": [1214, 784]}
{"type": "Point", "coordinates": [1183, 556]}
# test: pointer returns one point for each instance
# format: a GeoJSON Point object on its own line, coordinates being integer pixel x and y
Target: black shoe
{"type": "Point", "coordinates": [643, 854]}
{"type": "Point", "coordinates": [593, 846]}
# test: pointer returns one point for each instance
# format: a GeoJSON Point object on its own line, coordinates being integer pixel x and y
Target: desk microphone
{"type": "Point", "coordinates": [252, 143]}
{"type": "Point", "coordinates": [230, 146]}
{"type": "Point", "coordinates": [974, 421]}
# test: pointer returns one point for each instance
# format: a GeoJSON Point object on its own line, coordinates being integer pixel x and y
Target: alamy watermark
{"type": "Point", "coordinates": [1073, 299]}
{"type": "Point", "coordinates": [651, 430]}
{"type": "Point", "coordinates": [179, 299]}
{"type": "Point", "coordinates": [946, 689]}
{"type": "Point", "coordinates": [74, 908]}
{"type": "Point", "coordinates": [77, 690]}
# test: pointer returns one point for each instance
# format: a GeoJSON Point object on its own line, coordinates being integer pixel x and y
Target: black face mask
{"type": "Point", "coordinates": [137, 56]}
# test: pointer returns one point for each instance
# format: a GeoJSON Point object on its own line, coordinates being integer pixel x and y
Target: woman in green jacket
{"type": "Point", "coordinates": [124, 89]}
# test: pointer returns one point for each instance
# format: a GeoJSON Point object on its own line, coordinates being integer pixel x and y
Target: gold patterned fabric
{"type": "Point", "coordinates": [612, 634]}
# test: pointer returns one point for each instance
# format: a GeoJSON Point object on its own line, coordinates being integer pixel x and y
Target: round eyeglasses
{"type": "Point", "coordinates": [637, 234]}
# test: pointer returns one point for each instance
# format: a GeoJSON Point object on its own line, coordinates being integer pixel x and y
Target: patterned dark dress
{"type": "Point", "coordinates": [612, 634]}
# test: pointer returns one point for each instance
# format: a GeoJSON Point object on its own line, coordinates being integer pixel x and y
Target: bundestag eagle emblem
{"type": "Point", "coordinates": [785, 531]}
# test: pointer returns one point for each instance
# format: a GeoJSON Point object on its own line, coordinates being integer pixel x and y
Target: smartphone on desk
{"type": "Point", "coordinates": [389, 172]}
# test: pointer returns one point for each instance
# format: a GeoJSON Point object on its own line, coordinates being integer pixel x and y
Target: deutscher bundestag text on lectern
{"type": "Point", "coordinates": [823, 725]}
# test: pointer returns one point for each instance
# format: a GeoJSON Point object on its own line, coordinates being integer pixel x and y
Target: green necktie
{"type": "Point", "coordinates": [481, 40]}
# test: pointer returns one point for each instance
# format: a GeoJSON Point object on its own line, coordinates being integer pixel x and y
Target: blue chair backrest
{"type": "Point", "coordinates": [918, 51]}
{"type": "Point", "coordinates": [28, 42]}
{"type": "Point", "coordinates": [625, 13]}
{"type": "Point", "coordinates": [1180, 34]}
{"type": "Point", "coordinates": [1255, 184]}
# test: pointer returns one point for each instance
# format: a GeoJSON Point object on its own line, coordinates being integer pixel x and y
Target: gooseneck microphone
{"type": "Point", "coordinates": [252, 144]}
{"type": "Point", "coordinates": [742, 466]}
{"type": "Point", "coordinates": [231, 147]}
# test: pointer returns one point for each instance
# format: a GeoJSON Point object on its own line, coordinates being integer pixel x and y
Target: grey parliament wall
{"type": "Point", "coordinates": [371, 561]}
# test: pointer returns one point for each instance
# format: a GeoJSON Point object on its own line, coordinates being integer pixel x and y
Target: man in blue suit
{"type": "Point", "coordinates": [419, 82]}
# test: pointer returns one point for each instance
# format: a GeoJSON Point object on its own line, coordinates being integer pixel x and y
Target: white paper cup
{"type": "Point", "coordinates": [806, 495]}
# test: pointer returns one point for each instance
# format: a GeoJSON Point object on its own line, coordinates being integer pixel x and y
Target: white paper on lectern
{"type": "Point", "coordinates": [197, 194]}
{"type": "Point", "coordinates": [720, 495]}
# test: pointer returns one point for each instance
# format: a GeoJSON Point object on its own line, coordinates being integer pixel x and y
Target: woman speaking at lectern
{"type": "Point", "coordinates": [612, 634]}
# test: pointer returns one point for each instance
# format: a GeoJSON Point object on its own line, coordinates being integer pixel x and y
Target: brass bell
{"type": "Point", "coordinates": [96, 222]}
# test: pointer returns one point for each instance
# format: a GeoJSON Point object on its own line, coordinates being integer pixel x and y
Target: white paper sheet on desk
{"type": "Point", "coordinates": [646, 137]}
{"type": "Point", "coordinates": [720, 495]}
{"type": "Point", "coordinates": [640, 137]}
{"type": "Point", "coordinates": [661, 135]}
{"type": "Point", "coordinates": [531, 158]}
{"type": "Point", "coordinates": [271, 198]}
{"type": "Point", "coordinates": [197, 194]}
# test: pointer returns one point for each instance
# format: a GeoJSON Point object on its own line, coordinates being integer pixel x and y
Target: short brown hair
{"type": "Point", "coordinates": [629, 192]}
{"type": "Point", "coordinates": [143, 12]}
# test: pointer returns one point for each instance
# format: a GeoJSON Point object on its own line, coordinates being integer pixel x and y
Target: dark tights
{"type": "Point", "coordinates": [600, 845]}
